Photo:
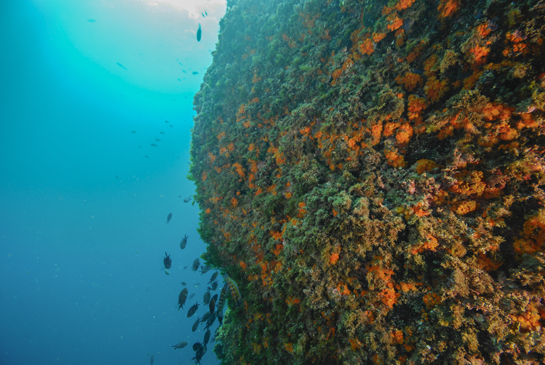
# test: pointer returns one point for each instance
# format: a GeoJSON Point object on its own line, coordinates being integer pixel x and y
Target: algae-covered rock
{"type": "Point", "coordinates": [371, 175]}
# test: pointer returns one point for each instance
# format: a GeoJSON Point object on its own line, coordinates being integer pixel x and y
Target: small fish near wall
{"type": "Point", "coordinates": [371, 174]}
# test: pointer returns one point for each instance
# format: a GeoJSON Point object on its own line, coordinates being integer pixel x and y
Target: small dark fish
{"type": "Point", "coordinates": [91, 20]}
{"type": "Point", "coordinates": [210, 320]}
{"type": "Point", "coordinates": [151, 360]}
{"type": "Point", "coordinates": [157, 140]}
{"type": "Point", "coordinates": [133, 131]}
{"type": "Point", "coordinates": [195, 73]}
{"type": "Point", "coordinates": [206, 298]}
{"type": "Point", "coordinates": [187, 200]}
{"type": "Point", "coordinates": [120, 65]}
{"type": "Point", "coordinates": [185, 267]}
{"type": "Point", "coordinates": [200, 353]}
{"type": "Point", "coordinates": [195, 265]}
{"type": "Point", "coordinates": [153, 145]}
{"type": "Point", "coordinates": [181, 298]}
{"type": "Point", "coordinates": [205, 12]}
{"type": "Point", "coordinates": [139, 146]}
{"type": "Point", "coordinates": [192, 295]}
{"type": "Point", "coordinates": [184, 283]}
{"type": "Point", "coordinates": [205, 317]}
{"type": "Point", "coordinates": [196, 346]}
{"type": "Point", "coordinates": [196, 324]}
{"type": "Point", "coordinates": [206, 336]}
{"type": "Point", "coordinates": [212, 304]}
{"type": "Point", "coordinates": [179, 80]}
{"type": "Point", "coordinates": [180, 345]}
{"type": "Point", "coordinates": [202, 15]}
{"type": "Point", "coordinates": [146, 156]}
{"type": "Point", "coordinates": [166, 121]}
{"type": "Point", "coordinates": [214, 286]}
{"type": "Point", "coordinates": [214, 276]}
{"type": "Point", "coordinates": [184, 71]}
{"type": "Point", "coordinates": [161, 132]}
{"type": "Point", "coordinates": [169, 217]}
{"type": "Point", "coordinates": [205, 268]}
{"type": "Point", "coordinates": [192, 310]}
{"type": "Point", "coordinates": [199, 33]}
{"type": "Point", "coordinates": [184, 242]}
{"type": "Point", "coordinates": [167, 261]}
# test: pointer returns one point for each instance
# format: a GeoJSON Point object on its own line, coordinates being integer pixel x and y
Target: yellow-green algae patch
{"type": "Point", "coordinates": [371, 175]}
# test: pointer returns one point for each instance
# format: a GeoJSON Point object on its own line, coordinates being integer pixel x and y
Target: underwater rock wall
{"type": "Point", "coordinates": [371, 174]}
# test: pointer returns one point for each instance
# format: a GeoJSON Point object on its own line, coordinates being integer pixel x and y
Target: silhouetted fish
{"type": "Point", "coordinates": [169, 217]}
{"type": "Point", "coordinates": [180, 345]}
{"type": "Point", "coordinates": [153, 145]}
{"type": "Point", "coordinates": [212, 304]}
{"type": "Point", "coordinates": [133, 131]}
{"type": "Point", "coordinates": [167, 261]}
{"type": "Point", "coordinates": [205, 317]}
{"type": "Point", "coordinates": [192, 310]}
{"type": "Point", "coordinates": [196, 265]}
{"type": "Point", "coordinates": [192, 295]}
{"type": "Point", "coordinates": [184, 71]}
{"type": "Point", "coordinates": [162, 132]}
{"type": "Point", "coordinates": [157, 140]}
{"type": "Point", "coordinates": [199, 33]}
{"type": "Point", "coordinates": [196, 324]}
{"type": "Point", "coordinates": [206, 336]}
{"type": "Point", "coordinates": [187, 200]}
{"type": "Point", "coordinates": [181, 298]}
{"type": "Point", "coordinates": [183, 283]}
{"type": "Point", "coordinates": [151, 360]}
{"type": "Point", "coordinates": [166, 121]}
{"type": "Point", "coordinates": [184, 242]}
{"type": "Point", "coordinates": [146, 156]}
{"type": "Point", "coordinates": [206, 298]}
{"type": "Point", "coordinates": [120, 65]}
{"type": "Point", "coordinates": [214, 276]}
{"type": "Point", "coordinates": [195, 73]}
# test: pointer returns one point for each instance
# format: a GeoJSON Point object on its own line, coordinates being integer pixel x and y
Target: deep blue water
{"type": "Point", "coordinates": [82, 209]}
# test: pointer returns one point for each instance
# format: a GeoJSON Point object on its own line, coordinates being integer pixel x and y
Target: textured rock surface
{"type": "Point", "coordinates": [371, 174]}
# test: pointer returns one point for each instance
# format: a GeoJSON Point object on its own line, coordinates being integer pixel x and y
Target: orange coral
{"type": "Point", "coordinates": [395, 22]}
{"type": "Point", "coordinates": [435, 89]}
{"type": "Point", "coordinates": [431, 300]}
{"type": "Point", "coordinates": [425, 166]}
{"type": "Point", "coordinates": [448, 8]}
{"type": "Point", "coordinates": [389, 297]}
{"type": "Point", "coordinates": [404, 134]}
{"type": "Point", "coordinates": [404, 4]}
{"type": "Point", "coordinates": [480, 53]}
{"type": "Point", "coordinates": [333, 258]}
{"type": "Point", "coordinates": [533, 235]}
{"type": "Point", "coordinates": [394, 158]}
{"type": "Point", "coordinates": [410, 80]}
{"type": "Point", "coordinates": [367, 47]}
{"type": "Point", "coordinates": [464, 207]}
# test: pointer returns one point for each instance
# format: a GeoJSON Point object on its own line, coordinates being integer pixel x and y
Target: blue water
{"type": "Point", "coordinates": [82, 209]}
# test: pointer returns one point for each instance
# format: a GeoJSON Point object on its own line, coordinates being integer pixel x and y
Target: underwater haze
{"type": "Point", "coordinates": [95, 125]}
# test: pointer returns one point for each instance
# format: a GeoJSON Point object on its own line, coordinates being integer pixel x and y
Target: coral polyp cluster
{"type": "Point", "coordinates": [371, 174]}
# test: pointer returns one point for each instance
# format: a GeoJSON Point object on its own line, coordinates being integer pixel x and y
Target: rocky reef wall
{"type": "Point", "coordinates": [371, 174]}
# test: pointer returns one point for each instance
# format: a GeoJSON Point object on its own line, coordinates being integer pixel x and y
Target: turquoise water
{"type": "Point", "coordinates": [82, 209]}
